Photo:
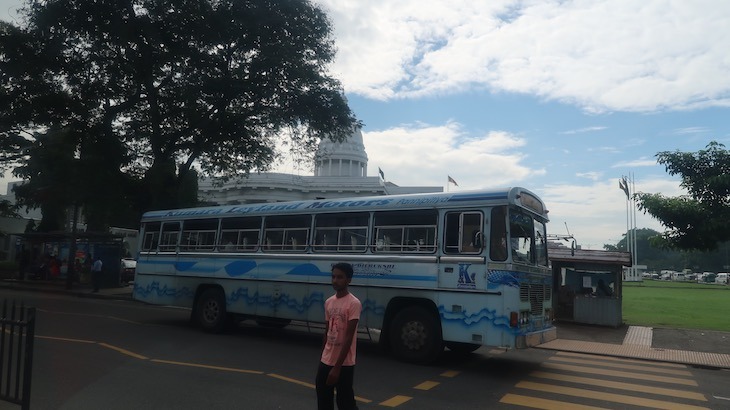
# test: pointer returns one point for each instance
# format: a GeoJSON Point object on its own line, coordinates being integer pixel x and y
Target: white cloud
{"type": "Point", "coordinates": [594, 176]}
{"type": "Point", "coordinates": [584, 130]}
{"type": "Point", "coordinates": [641, 162]}
{"type": "Point", "coordinates": [596, 212]}
{"type": "Point", "coordinates": [691, 130]}
{"type": "Point", "coordinates": [433, 152]}
{"type": "Point", "coordinates": [600, 55]}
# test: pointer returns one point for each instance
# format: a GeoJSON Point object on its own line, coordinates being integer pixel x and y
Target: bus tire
{"type": "Point", "coordinates": [211, 312]}
{"type": "Point", "coordinates": [415, 335]}
{"type": "Point", "coordinates": [462, 348]}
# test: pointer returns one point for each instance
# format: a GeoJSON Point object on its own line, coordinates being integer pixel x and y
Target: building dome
{"type": "Point", "coordinates": [342, 159]}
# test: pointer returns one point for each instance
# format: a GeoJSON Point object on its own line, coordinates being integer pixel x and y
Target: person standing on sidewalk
{"type": "Point", "coordinates": [96, 274]}
{"type": "Point", "coordinates": [337, 364]}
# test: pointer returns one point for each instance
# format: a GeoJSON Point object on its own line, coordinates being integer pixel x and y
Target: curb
{"type": "Point", "coordinates": [81, 293]}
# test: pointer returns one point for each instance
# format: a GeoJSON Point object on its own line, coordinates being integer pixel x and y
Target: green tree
{"type": "Point", "coordinates": [699, 220]}
{"type": "Point", "coordinates": [146, 93]}
{"type": "Point", "coordinates": [8, 209]}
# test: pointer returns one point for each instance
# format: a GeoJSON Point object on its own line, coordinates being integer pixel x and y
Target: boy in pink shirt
{"type": "Point", "coordinates": [337, 365]}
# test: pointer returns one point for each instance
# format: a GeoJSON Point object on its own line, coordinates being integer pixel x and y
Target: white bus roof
{"type": "Point", "coordinates": [513, 195]}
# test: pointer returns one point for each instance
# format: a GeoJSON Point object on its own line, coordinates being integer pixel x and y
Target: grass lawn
{"type": "Point", "coordinates": [676, 305]}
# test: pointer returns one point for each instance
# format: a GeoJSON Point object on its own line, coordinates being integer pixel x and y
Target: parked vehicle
{"type": "Point", "coordinates": [707, 277]}
{"type": "Point", "coordinates": [127, 269]}
{"type": "Point", "coordinates": [722, 278]}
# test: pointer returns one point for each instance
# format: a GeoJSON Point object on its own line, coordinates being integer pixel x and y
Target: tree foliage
{"type": "Point", "coordinates": [124, 101]}
{"type": "Point", "coordinates": [657, 259]}
{"type": "Point", "coordinates": [699, 220]}
{"type": "Point", "coordinates": [8, 209]}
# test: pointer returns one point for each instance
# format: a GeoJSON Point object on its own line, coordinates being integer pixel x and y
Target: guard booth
{"type": "Point", "coordinates": [587, 285]}
{"type": "Point", "coordinates": [49, 253]}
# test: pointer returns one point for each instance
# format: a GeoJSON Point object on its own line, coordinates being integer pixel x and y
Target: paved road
{"type": "Point", "coordinates": [119, 354]}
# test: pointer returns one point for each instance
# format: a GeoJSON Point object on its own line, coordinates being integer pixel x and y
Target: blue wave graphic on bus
{"type": "Point", "coordinates": [484, 315]}
{"type": "Point", "coordinates": [497, 278]}
{"type": "Point", "coordinates": [242, 294]}
{"type": "Point", "coordinates": [164, 291]}
{"type": "Point", "coordinates": [372, 306]}
{"type": "Point", "coordinates": [239, 268]}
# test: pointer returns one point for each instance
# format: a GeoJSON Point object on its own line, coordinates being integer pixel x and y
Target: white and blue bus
{"type": "Point", "coordinates": [460, 270]}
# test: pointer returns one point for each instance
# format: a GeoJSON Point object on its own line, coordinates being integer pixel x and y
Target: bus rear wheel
{"type": "Point", "coordinates": [415, 335]}
{"type": "Point", "coordinates": [211, 312]}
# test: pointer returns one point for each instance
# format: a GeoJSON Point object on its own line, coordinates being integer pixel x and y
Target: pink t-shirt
{"type": "Point", "coordinates": [338, 312]}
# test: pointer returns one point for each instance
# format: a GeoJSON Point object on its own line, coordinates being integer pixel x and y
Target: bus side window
{"type": "Point", "coordinates": [451, 232]}
{"type": "Point", "coordinates": [341, 232]}
{"type": "Point", "coordinates": [151, 236]}
{"type": "Point", "coordinates": [498, 234]}
{"type": "Point", "coordinates": [286, 232]}
{"type": "Point", "coordinates": [239, 234]}
{"type": "Point", "coordinates": [170, 236]}
{"type": "Point", "coordinates": [405, 231]}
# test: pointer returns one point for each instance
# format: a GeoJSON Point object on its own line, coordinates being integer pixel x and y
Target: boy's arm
{"type": "Point", "coordinates": [334, 374]}
{"type": "Point", "coordinates": [324, 337]}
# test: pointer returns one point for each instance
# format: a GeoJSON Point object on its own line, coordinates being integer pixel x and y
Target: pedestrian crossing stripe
{"type": "Point", "coordinates": [625, 366]}
{"type": "Point", "coordinates": [603, 396]}
{"type": "Point", "coordinates": [616, 373]}
{"type": "Point", "coordinates": [683, 394]}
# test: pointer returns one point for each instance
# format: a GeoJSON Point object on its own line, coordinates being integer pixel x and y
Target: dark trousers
{"type": "Point", "coordinates": [345, 393]}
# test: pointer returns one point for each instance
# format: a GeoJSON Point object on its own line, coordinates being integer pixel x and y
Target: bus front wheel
{"type": "Point", "coordinates": [415, 335]}
{"type": "Point", "coordinates": [211, 310]}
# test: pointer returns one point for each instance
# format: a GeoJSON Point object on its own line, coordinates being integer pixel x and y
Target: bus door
{"type": "Point", "coordinates": [462, 265]}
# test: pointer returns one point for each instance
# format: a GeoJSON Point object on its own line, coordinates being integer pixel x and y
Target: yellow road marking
{"type": "Point", "coordinates": [364, 400]}
{"type": "Point", "coordinates": [205, 366]}
{"type": "Point", "coordinates": [597, 395]}
{"type": "Point", "coordinates": [66, 339]}
{"type": "Point", "coordinates": [616, 359]}
{"type": "Point", "coordinates": [290, 380]}
{"type": "Point", "coordinates": [90, 315]}
{"type": "Point", "coordinates": [615, 373]}
{"type": "Point", "coordinates": [604, 363]}
{"type": "Point", "coordinates": [124, 351]}
{"type": "Point", "coordinates": [621, 385]}
{"type": "Point", "coordinates": [450, 373]}
{"type": "Point", "coordinates": [395, 401]}
{"type": "Point", "coordinates": [427, 385]}
{"type": "Point", "coordinates": [310, 385]}
{"type": "Point", "coordinates": [538, 403]}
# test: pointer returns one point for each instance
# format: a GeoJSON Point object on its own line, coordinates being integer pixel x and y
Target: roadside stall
{"type": "Point", "coordinates": [587, 285]}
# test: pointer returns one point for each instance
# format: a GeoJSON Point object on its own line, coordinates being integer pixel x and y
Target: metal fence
{"type": "Point", "coordinates": [17, 331]}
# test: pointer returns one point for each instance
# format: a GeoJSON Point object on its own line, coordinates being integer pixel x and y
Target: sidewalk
{"type": "Point", "coordinates": [59, 286]}
{"type": "Point", "coordinates": [686, 346]}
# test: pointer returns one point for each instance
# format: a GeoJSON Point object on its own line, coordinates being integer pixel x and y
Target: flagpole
{"type": "Point", "coordinates": [635, 256]}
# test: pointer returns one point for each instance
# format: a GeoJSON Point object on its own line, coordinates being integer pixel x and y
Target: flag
{"type": "Point", "coordinates": [382, 175]}
{"type": "Point", "coordinates": [624, 186]}
{"type": "Point", "coordinates": [452, 181]}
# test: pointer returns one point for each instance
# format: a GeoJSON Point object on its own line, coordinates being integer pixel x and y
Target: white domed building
{"type": "Point", "coordinates": [340, 170]}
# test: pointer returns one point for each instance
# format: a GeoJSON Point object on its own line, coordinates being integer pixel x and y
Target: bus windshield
{"type": "Point", "coordinates": [527, 239]}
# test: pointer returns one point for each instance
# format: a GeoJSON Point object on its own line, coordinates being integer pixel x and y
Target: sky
{"type": "Point", "coordinates": [560, 97]}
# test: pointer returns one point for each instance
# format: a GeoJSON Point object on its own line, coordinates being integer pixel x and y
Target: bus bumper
{"type": "Point", "coordinates": [536, 338]}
